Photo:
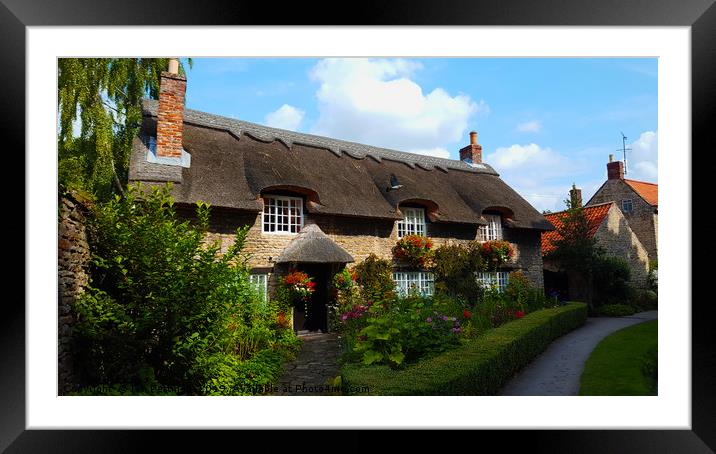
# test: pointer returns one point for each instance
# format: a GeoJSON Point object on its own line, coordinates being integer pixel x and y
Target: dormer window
{"type": "Point", "coordinates": [282, 214]}
{"type": "Point", "coordinates": [493, 229]}
{"type": "Point", "coordinates": [413, 222]}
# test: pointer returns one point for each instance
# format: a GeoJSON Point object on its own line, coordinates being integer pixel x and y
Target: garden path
{"type": "Point", "coordinates": [315, 365]}
{"type": "Point", "coordinates": [557, 371]}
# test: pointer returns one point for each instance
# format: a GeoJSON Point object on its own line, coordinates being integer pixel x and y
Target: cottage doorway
{"type": "Point", "coordinates": [313, 316]}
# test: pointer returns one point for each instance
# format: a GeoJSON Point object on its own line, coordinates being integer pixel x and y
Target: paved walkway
{"type": "Point", "coordinates": [557, 371]}
{"type": "Point", "coordinates": [315, 365]}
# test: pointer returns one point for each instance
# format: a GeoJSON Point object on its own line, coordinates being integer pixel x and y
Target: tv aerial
{"type": "Point", "coordinates": [624, 149]}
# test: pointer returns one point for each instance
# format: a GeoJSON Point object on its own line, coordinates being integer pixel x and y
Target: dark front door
{"type": "Point", "coordinates": [313, 316]}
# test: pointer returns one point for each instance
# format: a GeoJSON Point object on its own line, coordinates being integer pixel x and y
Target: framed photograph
{"type": "Point", "coordinates": [328, 157]}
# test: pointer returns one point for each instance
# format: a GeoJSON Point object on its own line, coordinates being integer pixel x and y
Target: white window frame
{"type": "Point", "coordinates": [493, 229]}
{"type": "Point", "coordinates": [492, 279]}
{"type": "Point", "coordinates": [421, 281]}
{"type": "Point", "coordinates": [260, 283]}
{"type": "Point", "coordinates": [413, 222]}
{"type": "Point", "coordinates": [271, 216]}
{"type": "Point", "coordinates": [631, 206]}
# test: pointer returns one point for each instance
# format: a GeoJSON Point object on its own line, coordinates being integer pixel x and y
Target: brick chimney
{"type": "Point", "coordinates": [575, 196]}
{"type": "Point", "coordinates": [615, 169]}
{"type": "Point", "coordinates": [472, 154]}
{"type": "Point", "coordinates": [170, 117]}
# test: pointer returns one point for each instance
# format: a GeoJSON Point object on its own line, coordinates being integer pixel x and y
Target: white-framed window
{"type": "Point", "coordinates": [497, 279]}
{"type": "Point", "coordinates": [282, 214]}
{"type": "Point", "coordinates": [413, 222]}
{"type": "Point", "coordinates": [627, 206]}
{"type": "Point", "coordinates": [493, 229]}
{"type": "Point", "coordinates": [421, 282]}
{"type": "Point", "coordinates": [260, 284]}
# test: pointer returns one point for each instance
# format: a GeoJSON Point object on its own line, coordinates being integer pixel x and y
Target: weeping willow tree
{"type": "Point", "coordinates": [99, 105]}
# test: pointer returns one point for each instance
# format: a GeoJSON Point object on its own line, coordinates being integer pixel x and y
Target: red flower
{"type": "Point", "coordinates": [466, 314]}
{"type": "Point", "coordinates": [519, 314]}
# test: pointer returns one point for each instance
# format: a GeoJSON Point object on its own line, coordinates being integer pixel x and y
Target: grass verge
{"type": "Point", "coordinates": [623, 364]}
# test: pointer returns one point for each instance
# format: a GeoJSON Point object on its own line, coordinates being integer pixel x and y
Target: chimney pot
{"type": "Point", "coordinates": [173, 66]}
{"type": "Point", "coordinates": [611, 158]}
{"type": "Point", "coordinates": [472, 154]}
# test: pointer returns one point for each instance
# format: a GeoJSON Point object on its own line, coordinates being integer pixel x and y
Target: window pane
{"type": "Point", "coordinates": [282, 214]}
{"type": "Point", "coordinates": [413, 222]}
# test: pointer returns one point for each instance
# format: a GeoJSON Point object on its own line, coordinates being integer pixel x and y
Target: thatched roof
{"type": "Point", "coordinates": [311, 245]}
{"type": "Point", "coordinates": [234, 162]}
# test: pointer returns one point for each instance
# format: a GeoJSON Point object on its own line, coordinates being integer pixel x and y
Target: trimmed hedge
{"type": "Point", "coordinates": [480, 367]}
{"type": "Point", "coordinates": [615, 310]}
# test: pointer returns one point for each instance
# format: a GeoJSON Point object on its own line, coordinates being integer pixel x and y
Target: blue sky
{"type": "Point", "coordinates": [543, 123]}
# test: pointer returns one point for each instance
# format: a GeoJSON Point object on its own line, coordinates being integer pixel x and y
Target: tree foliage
{"type": "Point", "coordinates": [576, 250]}
{"type": "Point", "coordinates": [99, 106]}
{"type": "Point", "coordinates": [167, 310]}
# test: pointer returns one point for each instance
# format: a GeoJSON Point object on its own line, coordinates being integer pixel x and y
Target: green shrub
{"type": "Point", "coordinates": [375, 277]}
{"type": "Point", "coordinates": [480, 367]}
{"type": "Point", "coordinates": [615, 310]}
{"type": "Point", "coordinates": [454, 267]}
{"type": "Point", "coordinates": [518, 289]}
{"type": "Point", "coordinates": [166, 310]}
{"type": "Point", "coordinates": [405, 329]}
{"type": "Point", "coordinates": [646, 300]}
{"type": "Point", "coordinates": [611, 281]}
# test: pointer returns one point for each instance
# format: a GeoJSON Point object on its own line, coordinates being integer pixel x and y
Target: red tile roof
{"type": "Point", "coordinates": [648, 191]}
{"type": "Point", "coordinates": [595, 215]}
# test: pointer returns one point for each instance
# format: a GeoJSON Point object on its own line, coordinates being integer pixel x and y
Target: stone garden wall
{"type": "Point", "coordinates": [73, 255]}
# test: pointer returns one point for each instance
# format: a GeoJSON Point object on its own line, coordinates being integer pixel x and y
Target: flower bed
{"type": "Point", "coordinates": [480, 367]}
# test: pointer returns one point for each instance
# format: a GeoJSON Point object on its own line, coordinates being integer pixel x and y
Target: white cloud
{"type": "Point", "coordinates": [285, 117]}
{"type": "Point", "coordinates": [642, 161]}
{"type": "Point", "coordinates": [539, 174]}
{"type": "Point", "coordinates": [530, 126]}
{"type": "Point", "coordinates": [532, 160]}
{"type": "Point", "coordinates": [375, 101]}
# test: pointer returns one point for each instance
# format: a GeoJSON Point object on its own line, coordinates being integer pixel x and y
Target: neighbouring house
{"type": "Point", "coordinates": [637, 200]}
{"type": "Point", "coordinates": [612, 231]}
{"type": "Point", "coordinates": [316, 203]}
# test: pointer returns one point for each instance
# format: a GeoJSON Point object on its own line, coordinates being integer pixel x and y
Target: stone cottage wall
{"type": "Point", "coordinates": [73, 255]}
{"type": "Point", "coordinates": [362, 237]}
{"type": "Point", "coordinates": [528, 253]}
{"type": "Point", "coordinates": [618, 240]}
{"type": "Point", "coordinates": [642, 220]}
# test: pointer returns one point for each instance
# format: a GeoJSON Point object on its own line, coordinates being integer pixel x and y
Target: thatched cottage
{"type": "Point", "coordinates": [316, 203]}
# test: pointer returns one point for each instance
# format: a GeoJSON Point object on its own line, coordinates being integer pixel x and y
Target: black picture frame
{"type": "Point", "coordinates": [700, 15]}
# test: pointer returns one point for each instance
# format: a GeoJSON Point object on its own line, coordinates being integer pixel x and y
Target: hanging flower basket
{"type": "Point", "coordinates": [300, 287]}
{"type": "Point", "coordinates": [415, 250]}
{"type": "Point", "coordinates": [496, 253]}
